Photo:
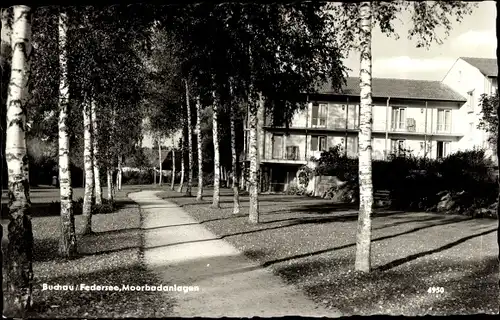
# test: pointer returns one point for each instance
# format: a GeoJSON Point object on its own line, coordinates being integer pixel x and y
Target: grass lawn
{"type": "Point", "coordinates": [311, 244]}
{"type": "Point", "coordinates": [112, 256]}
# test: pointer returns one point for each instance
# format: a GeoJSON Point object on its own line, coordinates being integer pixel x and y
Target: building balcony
{"type": "Point", "coordinates": [291, 154]}
{"type": "Point", "coordinates": [411, 127]}
{"type": "Point", "coordinates": [330, 124]}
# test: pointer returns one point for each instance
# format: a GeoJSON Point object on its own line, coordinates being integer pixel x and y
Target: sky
{"type": "Point", "coordinates": [475, 36]}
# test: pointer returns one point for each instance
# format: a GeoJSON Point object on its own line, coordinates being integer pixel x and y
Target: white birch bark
{"type": "Point", "coordinates": [109, 178]}
{"type": "Point", "coordinates": [253, 216]}
{"type": "Point", "coordinates": [95, 155]}
{"type": "Point", "coordinates": [20, 245]}
{"type": "Point", "coordinates": [172, 182]}
{"type": "Point", "coordinates": [215, 138]}
{"type": "Point", "coordinates": [160, 160]}
{"type": "Point", "coordinates": [235, 186]}
{"type": "Point", "coordinates": [363, 237]}
{"type": "Point", "coordinates": [88, 167]}
{"type": "Point", "coordinates": [119, 175]}
{"type": "Point", "coordinates": [67, 241]}
{"type": "Point", "coordinates": [181, 183]}
{"type": "Point", "coordinates": [199, 195]}
{"type": "Point", "coordinates": [190, 144]}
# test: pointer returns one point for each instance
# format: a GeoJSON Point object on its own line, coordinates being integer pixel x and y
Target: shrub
{"type": "Point", "coordinates": [418, 184]}
{"type": "Point", "coordinates": [305, 175]}
{"type": "Point", "coordinates": [334, 163]}
{"type": "Point", "coordinates": [137, 177]}
{"type": "Point", "coordinates": [294, 189]}
{"type": "Point", "coordinates": [208, 179]}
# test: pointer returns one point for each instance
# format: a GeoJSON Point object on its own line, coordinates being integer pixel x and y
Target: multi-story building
{"type": "Point", "coordinates": [426, 118]}
{"type": "Point", "coordinates": [472, 77]}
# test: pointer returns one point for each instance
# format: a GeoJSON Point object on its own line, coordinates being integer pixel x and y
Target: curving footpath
{"type": "Point", "coordinates": [183, 252]}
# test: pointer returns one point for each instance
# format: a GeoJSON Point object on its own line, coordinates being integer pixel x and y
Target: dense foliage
{"type": "Point", "coordinates": [419, 184]}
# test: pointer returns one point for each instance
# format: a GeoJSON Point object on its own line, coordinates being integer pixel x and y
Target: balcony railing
{"type": "Point", "coordinates": [411, 126]}
{"type": "Point", "coordinates": [291, 153]}
{"type": "Point", "coordinates": [340, 123]}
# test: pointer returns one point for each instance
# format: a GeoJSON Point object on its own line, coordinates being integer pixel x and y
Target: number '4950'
{"type": "Point", "coordinates": [435, 290]}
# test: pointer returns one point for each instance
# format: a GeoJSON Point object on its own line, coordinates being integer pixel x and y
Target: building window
{"type": "Point", "coordinates": [444, 120]}
{"type": "Point", "coordinates": [398, 118]}
{"type": "Point", "coordinates": [470, 101]}
{"type": "Point", "coordinates": [319, 113]}
{"type": "Point", "coordinates": [352, 145]}
{"type": "Point", "coordinates": [277, 146]}
{"type": "Point", "coordinates": [397, 146]}
{"type": "Point", "coordinates": [443, 149]}
{"type": "Point", "coordinates": [318, 143]}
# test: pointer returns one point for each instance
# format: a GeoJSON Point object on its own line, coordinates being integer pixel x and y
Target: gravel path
{"type": "Point", "coordinates": [183, 252]}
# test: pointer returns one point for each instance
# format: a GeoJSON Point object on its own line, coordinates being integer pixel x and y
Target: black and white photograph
{"type": "Point", "coordinates": [249, 159]}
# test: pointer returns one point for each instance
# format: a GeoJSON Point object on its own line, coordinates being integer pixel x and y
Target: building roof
{"type": "Point", "coordinates": [398, 89]}
{"type": "Point", "coordinates": [488, 67]}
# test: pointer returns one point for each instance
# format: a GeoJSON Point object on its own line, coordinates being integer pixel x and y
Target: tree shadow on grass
{"type": "Point", "coordinates": [243, 202]}
{"type": "Point", "coordinates": [309, 254]}
{"type": "Point", "coordinates": [53, 208]}
{"type": "Point", "coordinates": [417, 220]}
{"type": "Point", "coordinates": [397, 291]}
{"type": "Point", "coordinates": [98, 243]}
{"type": "Point", "coordinates": [302, 221]}
{"type": "Point", "coordinates": [399, 262]}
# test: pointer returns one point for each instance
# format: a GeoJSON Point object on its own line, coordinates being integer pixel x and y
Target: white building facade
{"type": "Point", "coordinates": [429, 119]}
{"type": "Point", "coordinates": [472, 77]}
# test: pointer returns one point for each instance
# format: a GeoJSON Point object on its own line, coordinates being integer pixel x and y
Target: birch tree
{"type": "Point", "coordinates": [95, 154]}
{"type": "Point", "coordinates": [353, 24]}
{"type": "Point", "coordinates": [5, 57]}
{"type": "Point", "coordinates": [88, 166]}
{"type": "Point", "coordinates": [253, 209]}
{"type": "Point", "coordinates": [183, 172]}
{"type": "Point", "coordinates": [172, 182]}
{"type": "Point", "coordinates": [234, 157]}
{"type": "Point", "coordinates": [363, 237]}
{"type": "Point", "coordinates": [190, 142]}
{"type": "Point", "coordinates": [199, 195]}
{"type": "Point", "coordinates": [67, 242]}
{"type": "Point", "coordinates": [215, 138]}
{"type": "Point", "coordinates": [292, 51]}
{"type": "Point", "coordinates": [20, 246]}
{"type": "Point", "coordinates": [160, 160]}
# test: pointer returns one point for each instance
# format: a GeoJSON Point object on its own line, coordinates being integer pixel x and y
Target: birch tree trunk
{"type": "Point", "coordinates": [181, 183]}
{"type": "Point", "coordinates": [363, 237]}
{"type": "Point", "coordinates": [88, 166]}
{"type": "Point", "coordinates": [190, 145]}
{"type": "Point", "coordinates": [5, 57]}
{"type": "Point", "coordinates": [20, 246]}
{"type": "Point", "coordinates": [215, 135]}
{"type": "Point", "coordinates": [160, 161]}
{"type": "Point", "coordinates": [236, 191]}
{"type": "Point", "coordinates": [172, 183]}
{"type": "Point", "coordinates": [260, 141]}
{"type": "Point", "coordinates": [67, 241]}
{"type": "Point", "coordinates": [95, 155]}
{"type": "Point", "coordinates": [199, 195]}
{"type": "Point", "coordinates": [109, 176]}
{"type": "Point", "coordinates": [120, 173]}
{"type": "Point", "coordinates": [253, 216]}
